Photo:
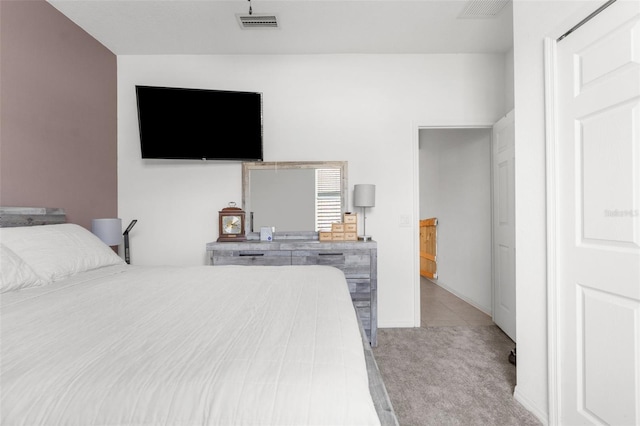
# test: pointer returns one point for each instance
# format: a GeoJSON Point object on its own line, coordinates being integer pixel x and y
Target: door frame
{"type": "Point", "coordinates": [416, 126]}
{"type": "Point", "coordinates": [550, 70]}
{"type": "Point", "coordinates": [551, 147]}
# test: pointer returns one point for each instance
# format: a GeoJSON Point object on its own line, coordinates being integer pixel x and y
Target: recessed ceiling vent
{"type": "Point", "coordinates": [482, 9]}
{"type": "Point", "coordinates": [255, 21]}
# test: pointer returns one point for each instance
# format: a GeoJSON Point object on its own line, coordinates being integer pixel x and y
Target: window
{"type": "Point", "coordinates": [328, 202]}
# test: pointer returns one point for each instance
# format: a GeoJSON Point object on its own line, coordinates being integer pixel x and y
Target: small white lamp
{"type": "Point", "coordinates": [364, 195]}
{"type": "Point", "coordinates": [109, 230]}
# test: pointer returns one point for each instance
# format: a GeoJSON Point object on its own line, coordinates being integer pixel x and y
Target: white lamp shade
{"type": "Point", "coordinates": [364, 195]}
{"type": "Point", "coordinates": [109, 230]}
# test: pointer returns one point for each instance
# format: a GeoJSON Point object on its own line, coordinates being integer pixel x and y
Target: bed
{"type": "Point", "coordinates": [87, 340]}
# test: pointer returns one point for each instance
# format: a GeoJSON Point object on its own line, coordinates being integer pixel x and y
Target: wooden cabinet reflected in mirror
{"type": "Point", "coordinates": [294, 196]}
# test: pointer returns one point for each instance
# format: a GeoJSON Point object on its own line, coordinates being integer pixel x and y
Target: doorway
{"type": "Point", "coordinates": [455, 187]}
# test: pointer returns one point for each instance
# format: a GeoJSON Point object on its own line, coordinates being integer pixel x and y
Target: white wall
{"type": "Point", "coordinates": [458, 193]}
{"type": "Point", "coordinates": [364, 109]}
{"type": "Point", "coordinates": [429, 173]}
{"type": "Point", "coordinates": [532, 21]}
{"type": "Point", "coordinates": [509, 101]}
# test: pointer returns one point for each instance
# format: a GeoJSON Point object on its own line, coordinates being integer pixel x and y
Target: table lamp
{"type": "Point", "coordinates": [364, 195]}
{"type": "Point", "coordinates": [109, 230]}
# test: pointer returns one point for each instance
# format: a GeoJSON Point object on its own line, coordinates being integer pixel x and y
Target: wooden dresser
{"type": "Point", "coordinates": [357, 259]}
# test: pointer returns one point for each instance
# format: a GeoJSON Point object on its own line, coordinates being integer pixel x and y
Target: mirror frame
{"type": "Point", "coordinates": [247, 167]}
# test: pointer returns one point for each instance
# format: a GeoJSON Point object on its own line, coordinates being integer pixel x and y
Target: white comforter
{"type": "Point", "coordinates": [204, 345]}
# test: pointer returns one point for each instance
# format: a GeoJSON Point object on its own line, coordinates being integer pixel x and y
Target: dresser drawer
{"type": "Point", "coordinates": [363, 309]}
{"type": "Point", "coordinates": [360, 289]}
{"type": "Point", "coordinates": [251, 257]}
{"type": "Point", "coordinates": [354, 263]}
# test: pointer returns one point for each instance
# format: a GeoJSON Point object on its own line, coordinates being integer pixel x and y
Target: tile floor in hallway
{"type": "Point", "coordinates": [441, 308]}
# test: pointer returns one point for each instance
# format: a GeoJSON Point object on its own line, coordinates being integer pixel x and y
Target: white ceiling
{"type": "Point", "coordinates": [139, 27]}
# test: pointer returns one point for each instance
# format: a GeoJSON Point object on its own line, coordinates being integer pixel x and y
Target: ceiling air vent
{"type": "Point", "coordinates": [257, 21]}
{"type": "Point", "coordinates": [479, 9]}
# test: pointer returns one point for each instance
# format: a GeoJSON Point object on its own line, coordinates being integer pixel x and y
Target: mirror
{"type": "Point", "coordinates": [294, 196]}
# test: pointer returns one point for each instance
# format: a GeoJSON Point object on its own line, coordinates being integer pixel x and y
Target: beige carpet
{"type": "Point", "coordinates": [455, 375]}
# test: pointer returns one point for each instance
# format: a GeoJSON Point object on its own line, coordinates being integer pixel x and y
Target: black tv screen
{"type": "Point", "coordinates": [199, 124]}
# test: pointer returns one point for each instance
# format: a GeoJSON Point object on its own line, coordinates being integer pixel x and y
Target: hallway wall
{"type": "Point", "coordinates": [455, 187]}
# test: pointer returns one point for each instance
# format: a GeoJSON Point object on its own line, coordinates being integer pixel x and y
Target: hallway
{"type": "Point", "coordinates": [438, 308]}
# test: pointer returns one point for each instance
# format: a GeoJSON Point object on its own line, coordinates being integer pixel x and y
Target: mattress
{"type": "Point", "coordinates": [126, 345]}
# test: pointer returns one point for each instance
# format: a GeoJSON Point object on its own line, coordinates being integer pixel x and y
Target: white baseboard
{"type": "Point", "coordinates": [540, 414]}
{"type": "Point", "coordinates": [396, 324]}
{"type": "Point", "coordinates": [466, 299]}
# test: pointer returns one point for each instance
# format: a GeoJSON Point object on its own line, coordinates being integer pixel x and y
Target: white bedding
{"type": "Point", "coordinates": [126, 345]}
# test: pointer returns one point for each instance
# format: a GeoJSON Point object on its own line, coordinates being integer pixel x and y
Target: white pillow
{"type": "Point", "coordinates": [15, 273]}
{"type": "Point", "coordinates": [58, 251]}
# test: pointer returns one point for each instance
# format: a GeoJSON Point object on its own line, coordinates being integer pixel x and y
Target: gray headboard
{"type": "Point", "coordinates": [30, 216]}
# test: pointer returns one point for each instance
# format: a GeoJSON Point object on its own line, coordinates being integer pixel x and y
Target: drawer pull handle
{"type": "Point", "coordinates": [251, 254]}
{"type": "Point", "coordinates": [330, 254]}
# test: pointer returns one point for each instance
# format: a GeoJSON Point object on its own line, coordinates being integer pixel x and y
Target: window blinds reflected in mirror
{"type": "Point", "coordinates": [328, 198]}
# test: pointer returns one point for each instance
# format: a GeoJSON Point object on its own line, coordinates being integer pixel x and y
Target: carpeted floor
{"type": "Point", "coordinates": [450, 375]}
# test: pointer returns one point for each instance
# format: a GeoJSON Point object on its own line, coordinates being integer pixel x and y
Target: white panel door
{"type": "Point", "coordinates": [598, 219]}
{"type": "Point", "coordinates": [504, 239]}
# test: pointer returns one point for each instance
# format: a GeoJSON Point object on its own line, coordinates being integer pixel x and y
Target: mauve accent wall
{"type": "Point", "coordinates": [58, 114]}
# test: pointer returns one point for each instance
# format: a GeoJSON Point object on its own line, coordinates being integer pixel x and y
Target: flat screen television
{"type": "Point", "coordinates": [199, 124]}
